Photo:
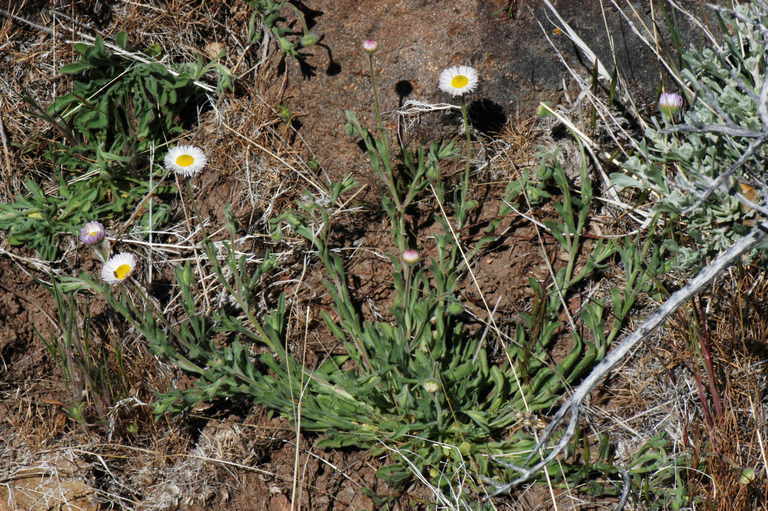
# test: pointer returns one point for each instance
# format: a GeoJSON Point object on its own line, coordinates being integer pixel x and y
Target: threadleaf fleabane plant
{"type": "Point", "coordinates": [118, 268]}
{"type": "Point", "coordinates": [185, 160]}
{"type": "Point", "coordinates": [415, 382]}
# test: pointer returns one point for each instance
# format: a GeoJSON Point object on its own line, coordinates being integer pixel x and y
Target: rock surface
{"type": "Point", "coordinates": [503, 40]}
{"type": "Point", "coordinates": [36, 490]}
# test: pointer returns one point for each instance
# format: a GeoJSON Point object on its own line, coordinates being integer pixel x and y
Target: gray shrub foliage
{"type": "Point", "coordinates": [705, 165]}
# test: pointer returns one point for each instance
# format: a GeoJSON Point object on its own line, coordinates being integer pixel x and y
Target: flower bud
{"type": "Point", "coordinates": [410, 256]}
{"type": "Point", "coordinates": [747, 476]}
{"type": "Point", "coordinates": [92, 233]}
{"type": "Point", "coordinates": [670, 103]}
{"type": "Point", "coordinates": [370, 45]}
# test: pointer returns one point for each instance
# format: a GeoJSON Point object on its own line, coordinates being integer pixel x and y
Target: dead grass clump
{"type": "Point", "coordinates": [726, 346]}
{"type": "Point", "coordinates": [702, 384]}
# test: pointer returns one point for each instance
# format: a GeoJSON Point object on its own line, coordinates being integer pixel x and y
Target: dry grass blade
{"type": "Point", "coordinates": [580, 44]}
{"type": "Point", "coordinates": [6, 155]}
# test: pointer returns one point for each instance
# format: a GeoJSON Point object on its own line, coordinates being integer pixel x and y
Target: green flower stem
{"type": "Point", "coordinates": [467, 168]}
{"type": "Point", "coordinates": [376, 101]}
{"type": "Point", "coordinates": [384, 151]}
{"type": "Point", "coordinates": [407, 274]}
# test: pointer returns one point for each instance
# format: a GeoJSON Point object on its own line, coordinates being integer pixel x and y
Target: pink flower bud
{"type": "Point", "coordinates": [670, 103]}
{"type": "Point", "coordinates": [92, 233]}
{"type": "Point", "coordinates": [370, 45]}
{"type": "Point", "coordinates": [411, 256]}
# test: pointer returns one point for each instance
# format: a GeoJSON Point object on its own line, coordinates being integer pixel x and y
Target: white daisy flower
{"type": "Point", "coordinates": [118, 268]}
{"type": "Point", "coordinates": [186, 160]}
{"type": "Point", "coordinates": [458, 80]}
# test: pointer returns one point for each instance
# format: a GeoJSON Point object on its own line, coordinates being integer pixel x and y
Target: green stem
{"type": "Point", "coordinates": [467, 151]}
{"type": "Point", "coordinates": [376, 102]}
{"type": "Point", "coordinates": [398, 224]}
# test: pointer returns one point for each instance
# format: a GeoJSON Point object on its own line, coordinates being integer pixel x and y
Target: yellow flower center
{"type": "Point", "coordinates": [459, 81]}
{"type": "Point", "coordinates": [122, 271]}
{"type": "Point", "coordinates": [185, 160]}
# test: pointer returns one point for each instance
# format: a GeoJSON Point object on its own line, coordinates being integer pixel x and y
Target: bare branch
{"type": "Point", "coordinates": [714, 128]}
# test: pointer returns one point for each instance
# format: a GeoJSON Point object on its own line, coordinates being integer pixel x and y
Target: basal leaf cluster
{"type": "Point", "coordinates": [118, 110]}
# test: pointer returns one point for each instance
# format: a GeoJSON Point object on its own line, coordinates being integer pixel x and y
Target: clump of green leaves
{"type": "Point", "coordinates": [694, 169]}
{"type": "Point", "coordinates": [424, 385]}
{"type": "Point", "coordinates": [117, 111]}
{"type": "Point", "coordinates": [224, 369]}
{"type": "Point", "coordinates": [94, 371]}
{"type": "Point", "coordinates": [655, 476]}
{"type": "Point", "coordinates": [38, 219]}
{"type": "Point", "coordinates": [267, 16]}
{"type": "Point", "coordinates": [659, 475]}
{"type": "Point", "coordinates": [117, 107]}
{"type": "Point", "coordinates": [418, 382]}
